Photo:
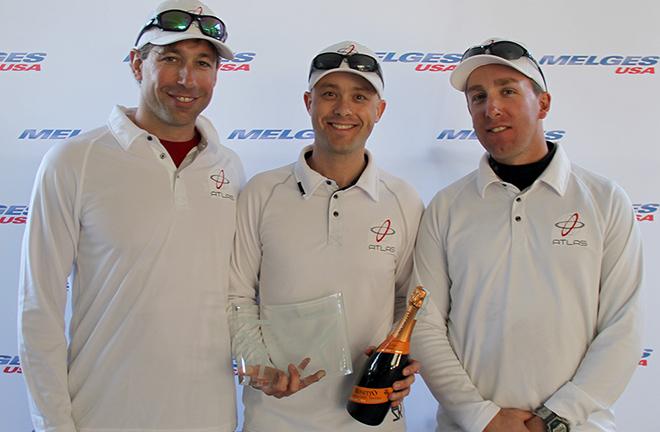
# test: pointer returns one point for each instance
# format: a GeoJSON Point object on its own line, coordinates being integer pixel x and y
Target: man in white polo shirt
{"type": "Point", "coordinates": [534, 267]}
{"type": "Point", "coordinates": [330, 222]}
{"type": "Point", "coordinates": [141, 214]}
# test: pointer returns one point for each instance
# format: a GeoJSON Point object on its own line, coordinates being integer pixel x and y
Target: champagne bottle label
{"type": "Point", "coordinates": [371, 396]}
{"type": "Point", "coordinates": [394, 346]}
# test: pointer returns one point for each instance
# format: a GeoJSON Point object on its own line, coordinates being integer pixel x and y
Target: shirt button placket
{"type": "Point", "coordinates": [335, 218]}
{"type": "Point", "coordinates": [517, 218]}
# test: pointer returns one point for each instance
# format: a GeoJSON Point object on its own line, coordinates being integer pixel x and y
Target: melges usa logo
{"type": "Point", "coordinates": [646, 354]}
{"type": "Point", "coordinates": [620, 64]}
{"type": "Point", "coordinates": [470, 134]}
{"type": "Point", "coordinates": [423, 61]}
{"type": "Point", "coordinates": [218, 181]}
{"type": "Point", "coordinates": [271, 134]}
{"type": "Point", "coordinates": [46, 134]}
{"type": "Point", "coordinates": [567, 230]}
{"type": "Point", "coordinates": [448, 61]}
{"type": "Point", "coordinates": [646, 212]}
{"type": "Point", "coordinates": [10, 364]}
{"type": "Point", "coordinates": [242, 62]}
{"type": "Point", "coordinates": [21, 61]}
{"type": "Point", "coordinates": [379, 234]}
{"type": "Point", "coordinates": [13, 214]}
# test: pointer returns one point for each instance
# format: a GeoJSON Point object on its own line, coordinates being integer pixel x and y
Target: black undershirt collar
{"type": "Point", "coordinates": [522, 176]}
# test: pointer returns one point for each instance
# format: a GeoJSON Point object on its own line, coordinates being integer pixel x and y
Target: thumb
{"type": "Point", "coordinates": [522, 414]}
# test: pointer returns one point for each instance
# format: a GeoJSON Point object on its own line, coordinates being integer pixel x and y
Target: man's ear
{"type": "Point", "coordinates": [307, 97]}
{"type": "Point", "coordinates": [544, 104]}
{"type": "Point", "coordinates": [381, 109]}
{"type": "Point", "coordinates": [136, 64]}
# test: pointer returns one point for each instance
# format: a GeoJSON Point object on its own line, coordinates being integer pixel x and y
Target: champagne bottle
{"type": "Point", "coordinates": [369, 401]}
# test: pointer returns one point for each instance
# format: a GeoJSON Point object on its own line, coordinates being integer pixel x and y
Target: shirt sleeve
{"type": "Point", "coordinates": [248, 348]}
{"type": "Point", "coordinates": [613, 354]}
{"type": "Point", "coordinates": [441, 368]}
{"type": "Point", "coordinates": [412, 212]}
{"type": "Point", "coordinates": [49, 249]}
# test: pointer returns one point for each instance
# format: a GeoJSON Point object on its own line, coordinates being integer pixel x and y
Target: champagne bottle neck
{"type": "Point", "coordinates": [398, 341]}
{"type": "Point", "coordinates": [404, 328]}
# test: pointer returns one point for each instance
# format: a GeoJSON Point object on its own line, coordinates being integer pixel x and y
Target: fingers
{"type": "Point", "coordinates": [278, 385]}
{"type": "Point", "coordinates": [303, 364]}
{"type": "Point", "coordinates": [413, 367]}
{"type": "Point", "coordinates": [521, 414]}
{"type": "Point", "coordinates": [311, 379]}
{"type": "Point", "coordinates": [294, 378]}
{"type": "Point", "coordinates": [369, 350]}
{"type": "Point", "coordinates": [281, 384]}
{"type": "Point", "coordinates": [402, 387]}
{"type": "Point", "coordinates": [401, 393]}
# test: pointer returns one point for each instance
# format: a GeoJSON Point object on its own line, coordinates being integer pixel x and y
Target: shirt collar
{"type": "Point", "coordinates": [309, 180]}
{"type": "Point", "coordinates": [556, 175]}
{"type": "Point", "coordinates": [127, 133]}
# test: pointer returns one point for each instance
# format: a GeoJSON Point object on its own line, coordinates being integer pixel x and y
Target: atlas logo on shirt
{"type": "Point", "coordinates": [218, 181]}
{"type": "Point", "coordinates": [566, 228]}
{"type": "Point", "coordinates": [13, 214]}
{"type": "Point", "coordinates": [10, 364]}
{"type": "Point", "coordinates": [381, 232]}
{"type": "Point", "coordinates": [646, 212]}
{"type": "Point", "coordinates": [645, 357]}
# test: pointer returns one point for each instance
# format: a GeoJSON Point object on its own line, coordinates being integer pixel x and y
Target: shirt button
{"type": "Point", "coordinates": [328, 182]}
{"type": "Point", "coordinates": [335, 196]}
{"type": "Point", "coordinates": [149, 138]}
{"type": "Point", "coordinates": [335, 213]}
{"type": "Point", "coordinates": [518, 199]}
{"type": "Point", "coordinates": [518, 218]}
{"type": "Point", "coordinates": [504, 184]}
{"type": "Point", "coordinates": [162, 156]}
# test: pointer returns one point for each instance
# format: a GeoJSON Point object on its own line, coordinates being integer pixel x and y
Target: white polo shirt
{"type": "Point", "coordinates": [299, 238]}
{"type": "Point", "coordinates": [148, 246]}
{"type": "Point", "coordinates": [534, 297]}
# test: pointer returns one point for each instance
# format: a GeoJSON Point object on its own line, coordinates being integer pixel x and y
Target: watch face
{"type": "Point", "coordinates": [557, 425]}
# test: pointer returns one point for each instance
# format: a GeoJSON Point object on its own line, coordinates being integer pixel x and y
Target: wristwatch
{"type": "Point", "coordinates": [553, 423]}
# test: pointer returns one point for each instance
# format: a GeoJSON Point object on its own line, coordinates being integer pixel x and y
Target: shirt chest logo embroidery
{"type": "Point", "coordinates": [567, 229]}
{"type": "Point", "coordinates": [218, 180]}
{"type": "Point", "coordinates": [380, 233]}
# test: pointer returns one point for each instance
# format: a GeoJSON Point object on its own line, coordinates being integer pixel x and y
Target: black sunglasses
{"type": "Point", "coordinates": [358, 62]}
{"type": "Point", "coordinates": [504, 49]}
{"type": "Point", "coordinates": [179, 21]}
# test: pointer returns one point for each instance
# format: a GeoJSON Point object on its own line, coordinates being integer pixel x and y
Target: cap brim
{"type": "Point", "coordinates": [460, 75]}
{"type": "Point", "coordinates": [371, 77]}
{"type": "Point", "coordinates": [166, 38]}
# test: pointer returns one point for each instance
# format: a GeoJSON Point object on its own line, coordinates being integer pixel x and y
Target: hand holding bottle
{"type": "Point", "coordinates": [371, 398]}
{"type": "Point", "coordinates": [402, 387]}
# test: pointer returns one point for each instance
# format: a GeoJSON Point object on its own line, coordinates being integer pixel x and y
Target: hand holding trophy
{"type": "Point", "coordinates": [274, 346]}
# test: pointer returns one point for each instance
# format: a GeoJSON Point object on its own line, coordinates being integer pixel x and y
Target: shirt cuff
{"type": "Point", "coordinates": [574, 404]}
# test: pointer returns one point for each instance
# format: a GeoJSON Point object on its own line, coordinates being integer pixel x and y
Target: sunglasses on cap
{"type": "Point", "coordinates": [504, 49]}
{"type": "Point", "coordinates": [179, 21]}
{"type": "Point", "coordinates": [358, 62]}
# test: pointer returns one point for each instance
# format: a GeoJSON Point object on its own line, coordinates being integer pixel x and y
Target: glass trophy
{"type": "Point", "coordinates": [311, 335]}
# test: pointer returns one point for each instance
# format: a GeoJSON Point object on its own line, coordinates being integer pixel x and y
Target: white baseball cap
{"type": "Point", "coordinates": [525, 63]}
{"type": "Point", "coordinates": [158, 36]}
{"type": "Point", "coordinates": [348, 49]}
